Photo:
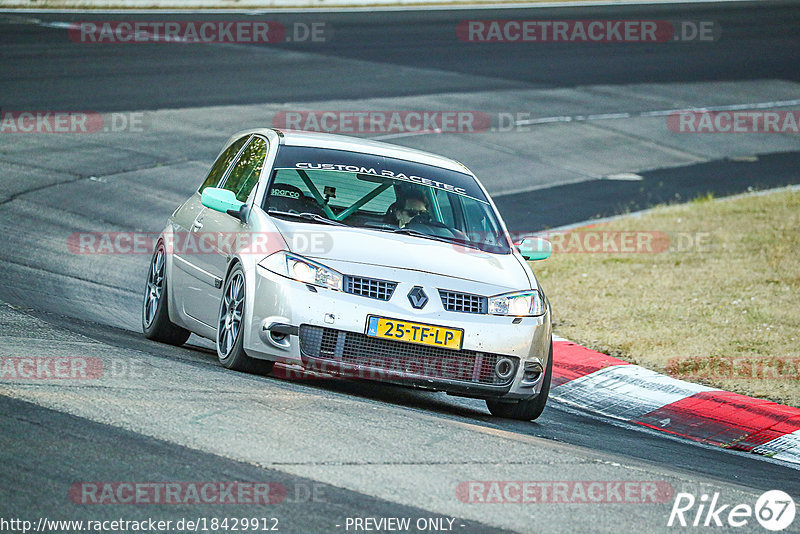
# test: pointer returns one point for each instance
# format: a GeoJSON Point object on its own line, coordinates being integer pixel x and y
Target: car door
{"type": "Point", "coordinates": [189, 280]}
{"type": "Point", "coordinates": [221, 230]}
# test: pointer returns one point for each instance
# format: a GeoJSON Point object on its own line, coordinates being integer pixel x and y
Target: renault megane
{"type": "Point", "coordinates": [356, 258]}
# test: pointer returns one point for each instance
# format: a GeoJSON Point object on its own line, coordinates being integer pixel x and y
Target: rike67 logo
{"type": "Point", "coordinates": [774, 510]}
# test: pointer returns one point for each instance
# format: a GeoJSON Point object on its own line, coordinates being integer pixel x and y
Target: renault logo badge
{"type": "Point", "coordinates": [417, 297]}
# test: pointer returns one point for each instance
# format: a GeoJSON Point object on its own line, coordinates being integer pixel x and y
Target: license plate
{"type": "Point", "coordinates": [411, 332]}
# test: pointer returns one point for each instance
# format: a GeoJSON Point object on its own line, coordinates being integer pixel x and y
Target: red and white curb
{"type": "Point", "coordinates": [614, 388]}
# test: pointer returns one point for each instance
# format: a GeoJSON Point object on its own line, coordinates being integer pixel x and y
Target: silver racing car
{"type": "Point", "coordinates": [358, 259]}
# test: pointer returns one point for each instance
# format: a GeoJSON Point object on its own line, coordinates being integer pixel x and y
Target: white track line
{"type": "Point", "coordinates": [622, 115]}
{"type": "Point", "coordinates": [661, 112]}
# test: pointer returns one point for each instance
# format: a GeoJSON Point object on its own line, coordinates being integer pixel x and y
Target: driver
{"type": "Point", "coordinates": [404, 211]}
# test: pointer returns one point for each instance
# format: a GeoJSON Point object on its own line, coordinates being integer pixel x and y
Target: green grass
{"type": "Point", "coordinates": [737, 296]}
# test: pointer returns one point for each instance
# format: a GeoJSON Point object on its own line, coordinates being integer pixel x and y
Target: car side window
{"type": "Point", "coordinates": [480, 227]}
{"type": "Point", "coordinates": [446, 209]}
{"type": "Point", "coordinates": [223, 162]}
{"type": "Point", "coordinates": [247, 169]}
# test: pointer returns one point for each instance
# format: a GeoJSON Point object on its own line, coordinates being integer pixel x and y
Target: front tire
{"type": "Point", "coordinates": [529, 409]}
{"type": "Point", "coordinates": [155, 315]}
{"type": "Point", "coordinates": [230, 327]}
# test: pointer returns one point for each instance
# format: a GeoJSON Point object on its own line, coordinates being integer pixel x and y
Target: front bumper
{"type": "Point", "coordinates": [331, 325]}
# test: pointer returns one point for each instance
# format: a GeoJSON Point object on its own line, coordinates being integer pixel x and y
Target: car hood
{"type": "Point", "coordinates": [384, 249]}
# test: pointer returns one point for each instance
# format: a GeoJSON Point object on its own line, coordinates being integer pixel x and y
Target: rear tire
{"type": "Point", "coordinates": [230, 327]}
{"type": "Point", "coordinates": [529, 409]}
{"type": "Point", "coordinates": [155, 315]}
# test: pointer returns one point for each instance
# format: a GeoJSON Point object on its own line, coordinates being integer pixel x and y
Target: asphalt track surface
{"type": "Point", "coordinates": [760, 41]}
{"type": "Point", "coordinates": [562, 205]}
{"type": "Point", "coordinates": [372, 450]}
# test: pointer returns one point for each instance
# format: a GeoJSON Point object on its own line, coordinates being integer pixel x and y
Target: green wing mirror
{"type": "Point", "coordinates": [535, 248]}
{"type": "Point", "coordinates": [221, 200]}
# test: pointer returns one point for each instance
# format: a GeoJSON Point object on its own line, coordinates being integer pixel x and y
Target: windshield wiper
{"type": "Point", "coordinates": [308, 217]}
{"type": "Point", "coordinates": [417, 233]}
{"type": "Point", "coordinates": [453, 240]}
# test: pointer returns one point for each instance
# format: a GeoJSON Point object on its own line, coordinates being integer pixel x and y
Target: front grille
{"type": "Point", "coordinates": [369, 287]}
{"type": "Point", "coordinates": [401, 359]}
{"type": "Point", "coordinates": [463, 302]}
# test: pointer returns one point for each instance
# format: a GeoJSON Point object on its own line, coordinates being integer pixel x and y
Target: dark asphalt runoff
{"type": "Point", "coordinates": [562, 205]}
{"type": "Point", "coordinates": [51, 451]}
{"type": "Point", "coordinates": [42, 69]}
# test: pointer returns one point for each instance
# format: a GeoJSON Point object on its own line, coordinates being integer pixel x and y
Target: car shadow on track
{"type": "Point", "coordinates": [556, 425]}
{"type": "Point", "coordinates": [200, 352]}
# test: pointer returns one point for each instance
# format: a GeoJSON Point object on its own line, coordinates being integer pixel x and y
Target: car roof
{"type": "Point", "coordinates": [364, 146]}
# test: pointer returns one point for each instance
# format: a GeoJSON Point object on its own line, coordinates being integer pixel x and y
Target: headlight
{"type": "Point", "coordinates": [302, 270]}
{"type": "Point", "coordinates": [519, 304]}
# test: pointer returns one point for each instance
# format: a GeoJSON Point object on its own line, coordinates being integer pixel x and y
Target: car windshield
{"type": "Point", "coordinates": [383, 194]}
